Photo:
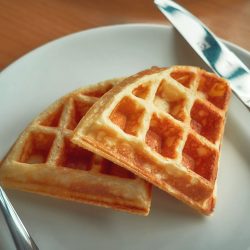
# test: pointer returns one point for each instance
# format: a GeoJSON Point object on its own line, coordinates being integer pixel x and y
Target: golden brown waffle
{"type": "Point", "coordinates": [43, 160]}
{"type": "Point", "coordinates": [166, 126]}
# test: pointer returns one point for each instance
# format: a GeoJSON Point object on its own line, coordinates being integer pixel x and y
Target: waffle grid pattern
{"type": "Point", "coordinates": [49, 141]}
{"type": "Point", "coordinates": [46, 144]}
{"type": "Point", "coordinates": [152, 115]}
{"type": "Point", "coordinates": [174, 116]}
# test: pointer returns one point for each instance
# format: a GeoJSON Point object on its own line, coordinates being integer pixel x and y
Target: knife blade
{"type": "Point", "coordinates": [213, 52]}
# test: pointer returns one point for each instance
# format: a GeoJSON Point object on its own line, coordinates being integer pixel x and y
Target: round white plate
{"type": "Point", "coordinates": [33, 82]}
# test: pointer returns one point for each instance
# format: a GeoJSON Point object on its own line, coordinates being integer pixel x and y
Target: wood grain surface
{"type": "Point", "coordinates": [25, 25]}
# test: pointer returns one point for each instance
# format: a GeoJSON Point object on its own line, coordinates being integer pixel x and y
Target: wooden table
{"type": "Point", "coordinates": [25, 25]}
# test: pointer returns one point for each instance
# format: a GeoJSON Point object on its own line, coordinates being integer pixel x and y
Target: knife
{"type": "Point", "coordinates": [213, 52]}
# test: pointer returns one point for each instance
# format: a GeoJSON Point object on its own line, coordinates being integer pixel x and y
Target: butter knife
{"type": "Point", "coordinates": [213, 52]}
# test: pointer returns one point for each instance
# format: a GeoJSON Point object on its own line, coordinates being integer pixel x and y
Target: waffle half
{"type": "Point", "coordinates": [44, 160]}
{"type": "Point", "coordinates": [166, 126]}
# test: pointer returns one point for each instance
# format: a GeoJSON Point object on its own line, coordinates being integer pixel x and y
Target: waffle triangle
{"type": "Point", "coordinates": [45, 161]}
{"type": "Point", "coordinates": [166, 126]}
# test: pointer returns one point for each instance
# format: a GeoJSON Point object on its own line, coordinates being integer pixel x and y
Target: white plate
{"type": "Point", "coordinates": [34, 81]}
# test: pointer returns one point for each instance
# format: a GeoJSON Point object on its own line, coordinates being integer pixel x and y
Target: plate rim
{"type": "Point", "coordinates": [108, 27]}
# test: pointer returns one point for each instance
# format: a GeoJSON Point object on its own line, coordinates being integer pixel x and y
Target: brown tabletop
{"type": "Point", "coordinates": [25, 25]}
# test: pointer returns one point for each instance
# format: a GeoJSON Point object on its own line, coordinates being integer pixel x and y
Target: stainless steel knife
{"type": "Point", "coordinates": [213, 52]}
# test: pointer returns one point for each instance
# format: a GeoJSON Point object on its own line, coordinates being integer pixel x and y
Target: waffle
{"type": "Point", "coordinates": [166, 126]}
{"type": "Point", "coordinates": [44, 160]}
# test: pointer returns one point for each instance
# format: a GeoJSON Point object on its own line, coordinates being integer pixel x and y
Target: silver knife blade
{"type": "Point", "coordinates": [213, 52]}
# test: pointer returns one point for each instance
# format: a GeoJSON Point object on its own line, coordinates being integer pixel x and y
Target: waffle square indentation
{"type": "Point", "coordinates": [78, 110]}
{"type": "Point", "coordinates": [205, 121]}
{"type": "Point", "coordinates": [52, 119]}
{"type": "Point", "coordinates": [163, 136]}
{"type": "Point", "coordinates": [37, 148]}
{"type": "Point", "coordinates": [170, 100]}
{"type": "Point", "coordinates": [74, 157]}
{"type": "Point", "coordinates": [215, 89]}
{"type": "Point", "coordinates": [199, 158]}
{"type": "Point", "coordinates": [142, 90]}
{"type": "Point", "coordinates": [184, 77]}
{"type": "Point", "coordinates": [127, 115]}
